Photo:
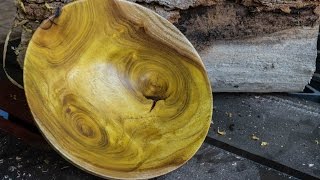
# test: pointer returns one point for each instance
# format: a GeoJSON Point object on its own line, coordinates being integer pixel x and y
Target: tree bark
{"type": "Point", "coordinates": [246, 45]}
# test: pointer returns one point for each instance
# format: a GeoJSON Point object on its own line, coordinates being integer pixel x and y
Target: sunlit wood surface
{"type": "Point", "coordinates": [117, 90]}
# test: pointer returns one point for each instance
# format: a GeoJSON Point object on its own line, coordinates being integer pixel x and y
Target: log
{"type": "Point", "coordinates": [117, 90]}
{"type": "Point", "coordinates": [250, 46]}
{"type": "Point", "coordinates": [247, 46]}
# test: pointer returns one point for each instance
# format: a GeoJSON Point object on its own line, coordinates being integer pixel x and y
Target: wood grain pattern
{"type": "Point", "coordinates": [117, 90]}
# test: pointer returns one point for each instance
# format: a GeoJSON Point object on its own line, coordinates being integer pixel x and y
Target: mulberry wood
{"type": "Point", "coordinates": [117, 89]}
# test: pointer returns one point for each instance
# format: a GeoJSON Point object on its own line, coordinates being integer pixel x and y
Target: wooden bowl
{"type": "Point", "coordinates": [117, 89]}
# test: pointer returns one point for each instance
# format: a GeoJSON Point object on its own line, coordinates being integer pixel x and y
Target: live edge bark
{"type": "Point", "coordinates": [246, 45]}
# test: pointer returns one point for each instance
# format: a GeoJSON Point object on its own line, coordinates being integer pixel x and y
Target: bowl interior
{"type": "Point", "coordinates": [117, 90]}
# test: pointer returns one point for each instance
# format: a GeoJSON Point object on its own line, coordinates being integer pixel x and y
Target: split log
{"type": "Point", "coordinates": [246, 45]}
{"type": "Point", "coordinates": [121, 95]}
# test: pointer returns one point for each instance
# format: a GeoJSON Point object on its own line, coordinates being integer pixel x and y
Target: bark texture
{"type": "Point", "coordinates": [207, 23]}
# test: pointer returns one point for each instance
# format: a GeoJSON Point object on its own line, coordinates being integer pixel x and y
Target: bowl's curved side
{"type": "Point", "coordinates": [117, 89]}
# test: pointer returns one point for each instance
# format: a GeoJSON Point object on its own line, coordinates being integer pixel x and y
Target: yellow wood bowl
{"type": "Point", "coordinates": [117, 89]}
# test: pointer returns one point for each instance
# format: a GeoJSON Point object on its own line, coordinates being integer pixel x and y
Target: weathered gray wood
{"type": "Point", "coordinates": [279, 62]}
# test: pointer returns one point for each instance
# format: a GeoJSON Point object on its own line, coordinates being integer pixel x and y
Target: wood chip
{"type": "Point", "coordinates": [254, 137]}
{"type": "Point", "coordinates": [20, 3]}
{"type": "Point", "coordinates": [285, 9]}
{"type": "Point", "coordinates": [5, 48]}
{"type": "Point", "coordinates": [11, 168]}
{"type": "Point", "coordinates": [222, 133]}
{"type": "Point", "coordinates": [229, 114]}
{"type": "Point", "coordinates": [48, 6]}
{"type": "Point", "coordinates": [264, 143]}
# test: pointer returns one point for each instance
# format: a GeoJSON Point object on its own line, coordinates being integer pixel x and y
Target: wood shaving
{"type": "Point", "coordinates": [20, 3]}
{"type": "Point", "coordinates": [5, 48]}
{"type": "Point", "coordinates": [264, 143]}
{"type": "Point", "coordinates": [222, 133]}
{"type": "Point", "coordinates": [254, 137]}
{"type": "Point", "coordinates": [20, 23]}
{"type": "Point", "coordinates": [48, 6]}
{"type": "Point", "coordinates": [64, 167]}
{"type": "Point", "coordinates": [229, 114]}
{"type": "Point", "coordinates": [286, 9]}
{"type": "Point", "coordinates": [317, 141]}
{"type": "Point", "coordinates": [27, 29]}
